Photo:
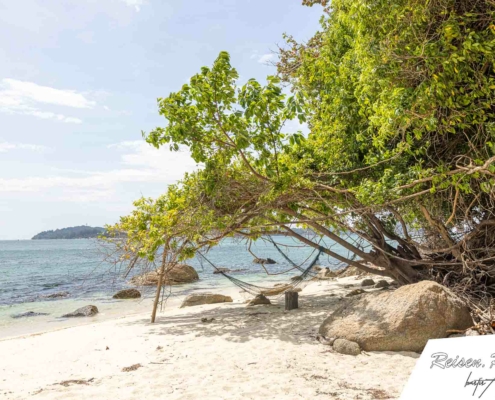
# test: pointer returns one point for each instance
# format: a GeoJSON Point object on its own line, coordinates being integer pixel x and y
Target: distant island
{"type": "Point", "coordinates": [75, 232]}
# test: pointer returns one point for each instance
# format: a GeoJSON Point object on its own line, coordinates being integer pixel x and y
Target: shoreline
{"type": "Point", "coordinates": [244, 352]}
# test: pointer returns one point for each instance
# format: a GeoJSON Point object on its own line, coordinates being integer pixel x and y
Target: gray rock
{"type": "Point", "coordinates": [382, 284]}
{"type": "Point", "coordinates": [348, 347]}
{"type": "Point", "coordinates": [368, 282]}
{"type": "Point", "coordinates": [87, 311]}
{"type": "Point", "coordinates": [400, 320]}
{"type": "Point", "coordinates": [127, 294]}
{"type": "Point", "coordinates": [259, 299]}
{"type": "Point", "coordinates": [264, 261]}
{"type": "Point", "coordinates": [205, 298]}
{"type": "Point", "coordinates": [175, 275]}
{"type": "Point", "coordinates": [56, 295]}
{"type": "Point", "coordinates": [28, 314]}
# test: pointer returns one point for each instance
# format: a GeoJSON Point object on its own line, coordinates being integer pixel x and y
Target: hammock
{"type": "Point", "coordinates": [255, 289]}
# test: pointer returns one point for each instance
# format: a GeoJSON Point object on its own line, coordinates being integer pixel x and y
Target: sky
{"type": "Point", "coordinates": [79, 81]}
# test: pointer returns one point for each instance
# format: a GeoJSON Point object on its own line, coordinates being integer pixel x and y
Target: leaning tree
{"type": "Point", "coordinates": [398, 166]}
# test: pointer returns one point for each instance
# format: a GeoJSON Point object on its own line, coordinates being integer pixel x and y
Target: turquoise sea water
{"type": "Point", "coordinates": [31, 270]}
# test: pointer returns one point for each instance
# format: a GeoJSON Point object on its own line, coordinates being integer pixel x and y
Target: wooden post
{"type": "Point", "coordinates": [291, 300]}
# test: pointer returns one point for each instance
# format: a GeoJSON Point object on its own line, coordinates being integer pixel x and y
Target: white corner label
{"type": "Point", "coordinates": [455, 369]}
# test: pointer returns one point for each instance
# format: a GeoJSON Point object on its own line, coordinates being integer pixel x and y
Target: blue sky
{"type": "Point", "coordinates": [79, 81]}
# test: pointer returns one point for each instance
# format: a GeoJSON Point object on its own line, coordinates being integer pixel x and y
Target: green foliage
{"type": "Point", "coordinates": [399, 99]}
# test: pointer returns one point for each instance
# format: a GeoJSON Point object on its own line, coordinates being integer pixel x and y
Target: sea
{"type": "Point", "coordinates": [32, 270]}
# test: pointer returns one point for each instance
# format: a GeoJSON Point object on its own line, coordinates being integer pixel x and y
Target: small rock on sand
{"type": "Point", "coordinates": [87, 311]}
{"type": "Point", "coordinates": [382, 284]}
{"type": "Point", "coordinates": [355, 292]}
{"type": "Point", "coordinates": [368, 282]}
{"type": "Point", "coordinates": [259, 299]}
{"type": "Point", "coordinates": [205, 298]}
{"type": "Point", "coordinates": [344, 346]}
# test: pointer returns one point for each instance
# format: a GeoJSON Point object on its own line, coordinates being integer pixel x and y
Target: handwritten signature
{"type": "Point", "coordinates": [477, 383]}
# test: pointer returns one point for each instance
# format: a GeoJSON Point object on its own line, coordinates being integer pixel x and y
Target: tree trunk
{"type": "Point", "coordinates": [158, 290]}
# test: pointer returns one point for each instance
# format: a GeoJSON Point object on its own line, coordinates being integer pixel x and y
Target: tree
{"type": "Point", "coordinates": [398, 167]}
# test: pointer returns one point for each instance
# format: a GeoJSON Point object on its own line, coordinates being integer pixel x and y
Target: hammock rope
{"type": "Point", "coordinates": [255, 289]}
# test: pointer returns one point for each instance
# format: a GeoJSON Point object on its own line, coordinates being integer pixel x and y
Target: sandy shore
{"type": "Point", "coordinates": [260, 352]}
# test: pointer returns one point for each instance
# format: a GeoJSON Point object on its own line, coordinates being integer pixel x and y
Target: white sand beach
{"type": "Point", "coordinates": [260, 352]}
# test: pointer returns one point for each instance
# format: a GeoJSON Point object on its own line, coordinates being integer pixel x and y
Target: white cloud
{"type": "Point", "coordinates": [139, 163]}
{"type": "Point", "coordinates": [265, 58]}
{"type": "Point", "coordinates": [6, 146]}
{"type": "Point", "coordinates": [135, 3]}
{"type": "Point", "coordinates": [20, 91]}
{"type": "Point", "coordinates": [26, 98]}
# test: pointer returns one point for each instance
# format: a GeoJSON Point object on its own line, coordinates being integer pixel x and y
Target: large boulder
{"type": "Point", "coordinates": [87, 311]}
{"type": "Point", "coordinates": [205, 298]}
{"type": "Point", "coordinates": [178, 274]}
{"type": "Point", "coordinates": [127, 294]}
{"type": "Point", "coordinates": [402, 320]}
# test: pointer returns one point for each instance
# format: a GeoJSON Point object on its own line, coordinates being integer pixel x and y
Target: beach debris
{"type": "Point", "coordinates": [264, 261]}
{"type": "Point", "coordinates": [108, 348]}
{"type": "Point", "coordinates": [350, 271]}
{"type": "Point", "coordinates": [207, 320]}
{"type": "Point", "coordinates": [381, 284]}
{"type": "Point", "coordinates": [28, 314]}
{"type": "Point", "coordinates": [56, 295]}
{"type": "Point", "coordinates": [259, 299]}
{"type": "Point", "coordinates": [177, 275]}
{"type": "Point", "coordinates": [316, 268]}
{"type": "Point", "coordinates": [127, 294]}
{"type": "Point", "coordinates": [225, 270]}
{"type": "Point", "coordinates": [348, 347]}
{"type": "Point", "coordinates": [75, 382]}
{"type": "Point", "coordinates": [355, 292]}
{"type": "Point", "coordinates": [87, 311]}
{"type": "Point", "coordinates": [326, 341]}
{"type": "Point", "coordinates": [368, 282]}
{"type": "Point", "coordinates": [131, 368]}
{"type": "Point", "coordinates": [326, 273]}
{"type": "Point", "coordinates": [205, 298]}
{"type": "Point", "coordinates": [296, 278]}
{"type": "Point", "coordinates": [220, 270]}
{"type": "Point", "coordinates": [400, 320]}
{"type": "Point", "coordinates": [159, 347]}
